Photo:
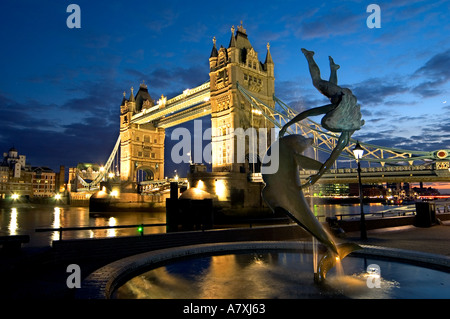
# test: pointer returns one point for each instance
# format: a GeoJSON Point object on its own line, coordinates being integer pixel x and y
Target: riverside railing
{"type": "Point", "coordinates": [251, 222]}
{"type": "Point", "coordinates": [140, 228]}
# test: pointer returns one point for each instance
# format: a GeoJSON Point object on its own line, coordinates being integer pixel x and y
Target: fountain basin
{"type": "Point", "coordinates": [267, 270]}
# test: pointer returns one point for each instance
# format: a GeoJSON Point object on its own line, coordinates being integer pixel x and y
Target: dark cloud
{"type": "Point", "coordinates": [101, 100]}
{"type": "Point", "coordinates": [30, 114]}
{"type": "Point", "coordinates": [325, 22]}
{"type": "Point", "coordinates": [431, 76]}
{"type": "Point", "coordinates": [375, 90]}
{"type": "Point", "coordinates": [172, 78]}
{"type": "Point", "coordinates": [383, 90]}
{"type": "Point", "coordinates": [48, 137]}
{"type": "Point", "coordinates": [88, 141]}
{"type": "Point", "coordinates": [435, 74]}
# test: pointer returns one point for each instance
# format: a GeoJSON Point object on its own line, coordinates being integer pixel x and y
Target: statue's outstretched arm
{"type": "Point", "coordinates": [341, 144]}
{"type": "Point", "coordinates": [311, 112]}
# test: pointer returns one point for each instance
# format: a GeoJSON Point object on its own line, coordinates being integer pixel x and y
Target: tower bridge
{"type": "Point", "coordinates": [240, 93]}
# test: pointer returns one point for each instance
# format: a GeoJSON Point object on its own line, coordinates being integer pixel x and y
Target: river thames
{"type": "Point", "coordinates": [24, 220]}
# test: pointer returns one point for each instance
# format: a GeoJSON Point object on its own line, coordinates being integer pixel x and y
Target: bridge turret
{"type": "Point", "coordinates": [131, 102]}
{"type": "Point", "coordinates": [268, 64]}
{"type": "Point", "coordinates": [233, 51]}
{"type": "Point", "coordinates": [141, 145]}
{"type": "Point", "coordinates": [123, 105]}
{"type": "Point", "coordinates": [239, 63]}
{"type": "Point", "coordinates": [213, 56]}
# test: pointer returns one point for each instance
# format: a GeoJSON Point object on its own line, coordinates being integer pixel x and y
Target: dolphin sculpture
{"type": "Point", "coordinates": [283, 191]}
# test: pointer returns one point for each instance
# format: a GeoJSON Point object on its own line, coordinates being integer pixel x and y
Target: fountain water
{"type": "Point", "coordinates": [315, 253]}
{"type": "Point", "coordinates": [280, 271]}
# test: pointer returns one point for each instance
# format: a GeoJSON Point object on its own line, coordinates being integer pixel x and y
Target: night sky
{"type": "Point", "coordinates": [61, 88]}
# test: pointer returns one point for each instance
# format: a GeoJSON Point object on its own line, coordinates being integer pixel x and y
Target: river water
{"type": "Point", "coordinates": [24, 220]}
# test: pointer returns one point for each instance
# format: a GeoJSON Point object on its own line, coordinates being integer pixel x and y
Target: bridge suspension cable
{"type": "Point", "coordinates": [105, 170]}
{"type": "Point", "coordinates": [325, 141]}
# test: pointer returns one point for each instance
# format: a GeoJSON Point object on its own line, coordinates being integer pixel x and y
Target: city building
{"type": "Point", "coordinates": [43, 181]}
{"type": "Point", "coordinates": [19, 180]}
{"type": "Point", "coordinates": [15, 179]}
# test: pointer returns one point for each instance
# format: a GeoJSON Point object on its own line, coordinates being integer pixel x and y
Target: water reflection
{"type": "Point", "coordinates": [56, 222]}
{"type": "Point", "coordinates": [13, 225]}
{"type": "Point", "coordinates": [256, 275]}
{"type": "Point", "coordinates": [281, 275]}
{"type": "Point", "coordinates": [26, 219]}
{"type": "Point", "coordinates": [112, 232]}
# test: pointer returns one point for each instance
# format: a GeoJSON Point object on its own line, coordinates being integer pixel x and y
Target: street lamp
{"type": "Point", "coordinates": [358, 152]}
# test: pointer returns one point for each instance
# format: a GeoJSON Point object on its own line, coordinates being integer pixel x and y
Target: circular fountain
{"type": "Point", "coordinates": [268, 270]}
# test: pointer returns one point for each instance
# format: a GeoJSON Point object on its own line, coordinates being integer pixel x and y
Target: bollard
{"type": "Point", "coordinates": [173, 190]}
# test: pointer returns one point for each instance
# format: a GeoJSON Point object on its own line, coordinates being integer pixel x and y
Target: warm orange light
{"type": "Point", "coordinates": [220, 189]}
{"type": "Point", "coordinates": [200, 184]}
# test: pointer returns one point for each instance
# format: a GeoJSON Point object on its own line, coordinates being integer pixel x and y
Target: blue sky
{"type": "Point", "coordinates": [61, 88]}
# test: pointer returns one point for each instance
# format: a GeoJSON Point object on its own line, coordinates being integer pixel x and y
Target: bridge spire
{"type": "Point", "coordinates": [124, 100]}
{"type": "Point", "coordinates": [131, 99]}
{"type": "Point", "coordinates": [233, 39]}
{"type": "Point", "coordinates": [268, 56]}
{"type": "Point", "coordinates": [214, 52]}
{"type": "Point", "coordinates": [241, 29]}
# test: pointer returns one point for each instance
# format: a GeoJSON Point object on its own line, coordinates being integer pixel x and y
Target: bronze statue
{"type": "Point", "coordinates": [341, 115]}
{"type": "Point", "coordinates": [283, 190]}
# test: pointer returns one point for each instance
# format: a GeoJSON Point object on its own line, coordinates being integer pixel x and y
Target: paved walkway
{"type": "Point", "coordinates": [21, 279]}
{"type": "Point", "coordinates": [435, 239]}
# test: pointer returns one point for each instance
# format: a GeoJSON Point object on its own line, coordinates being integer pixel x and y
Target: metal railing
{"type": "Point", "coordinates": [140, 228]}
{"type": "Point", "coordinates": [251, 222]}
{"type": "Point", "coordinates": [382, 214]}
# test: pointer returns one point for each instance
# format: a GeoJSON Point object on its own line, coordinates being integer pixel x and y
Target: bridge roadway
{"type": "Point", "coordinates": [196, 99]}
{"type": "Point", "coordinates": [389, 174]}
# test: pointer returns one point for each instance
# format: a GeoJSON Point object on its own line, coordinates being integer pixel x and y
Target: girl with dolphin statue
{"type": "Point", "coordinates": [283, 190]}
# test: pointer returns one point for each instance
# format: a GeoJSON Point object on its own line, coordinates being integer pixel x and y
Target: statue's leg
{"type": "Point", "coordinates": [327, 88]}
{"type": "Point", "coordinates": [333, 68]}
{"type": "Point", "coordinates": [311, 112]}
{"type": "Point", "coordinates": [341, 144]}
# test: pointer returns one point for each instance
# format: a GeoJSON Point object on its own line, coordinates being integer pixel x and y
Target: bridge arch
{"type": "Point", "coordinates": [145, 173]}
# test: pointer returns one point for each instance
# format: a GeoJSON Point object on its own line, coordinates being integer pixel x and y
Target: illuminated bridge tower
{"type": "Point", "coordinates": [142, 145]}
{"type": "Point", "coordinates": [233, 157]}
{"type": "Point", "coordinates": [238, 63]}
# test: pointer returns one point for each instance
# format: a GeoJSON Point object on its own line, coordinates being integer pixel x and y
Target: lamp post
{"type": "Point", "coordinates": [358, 152]}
